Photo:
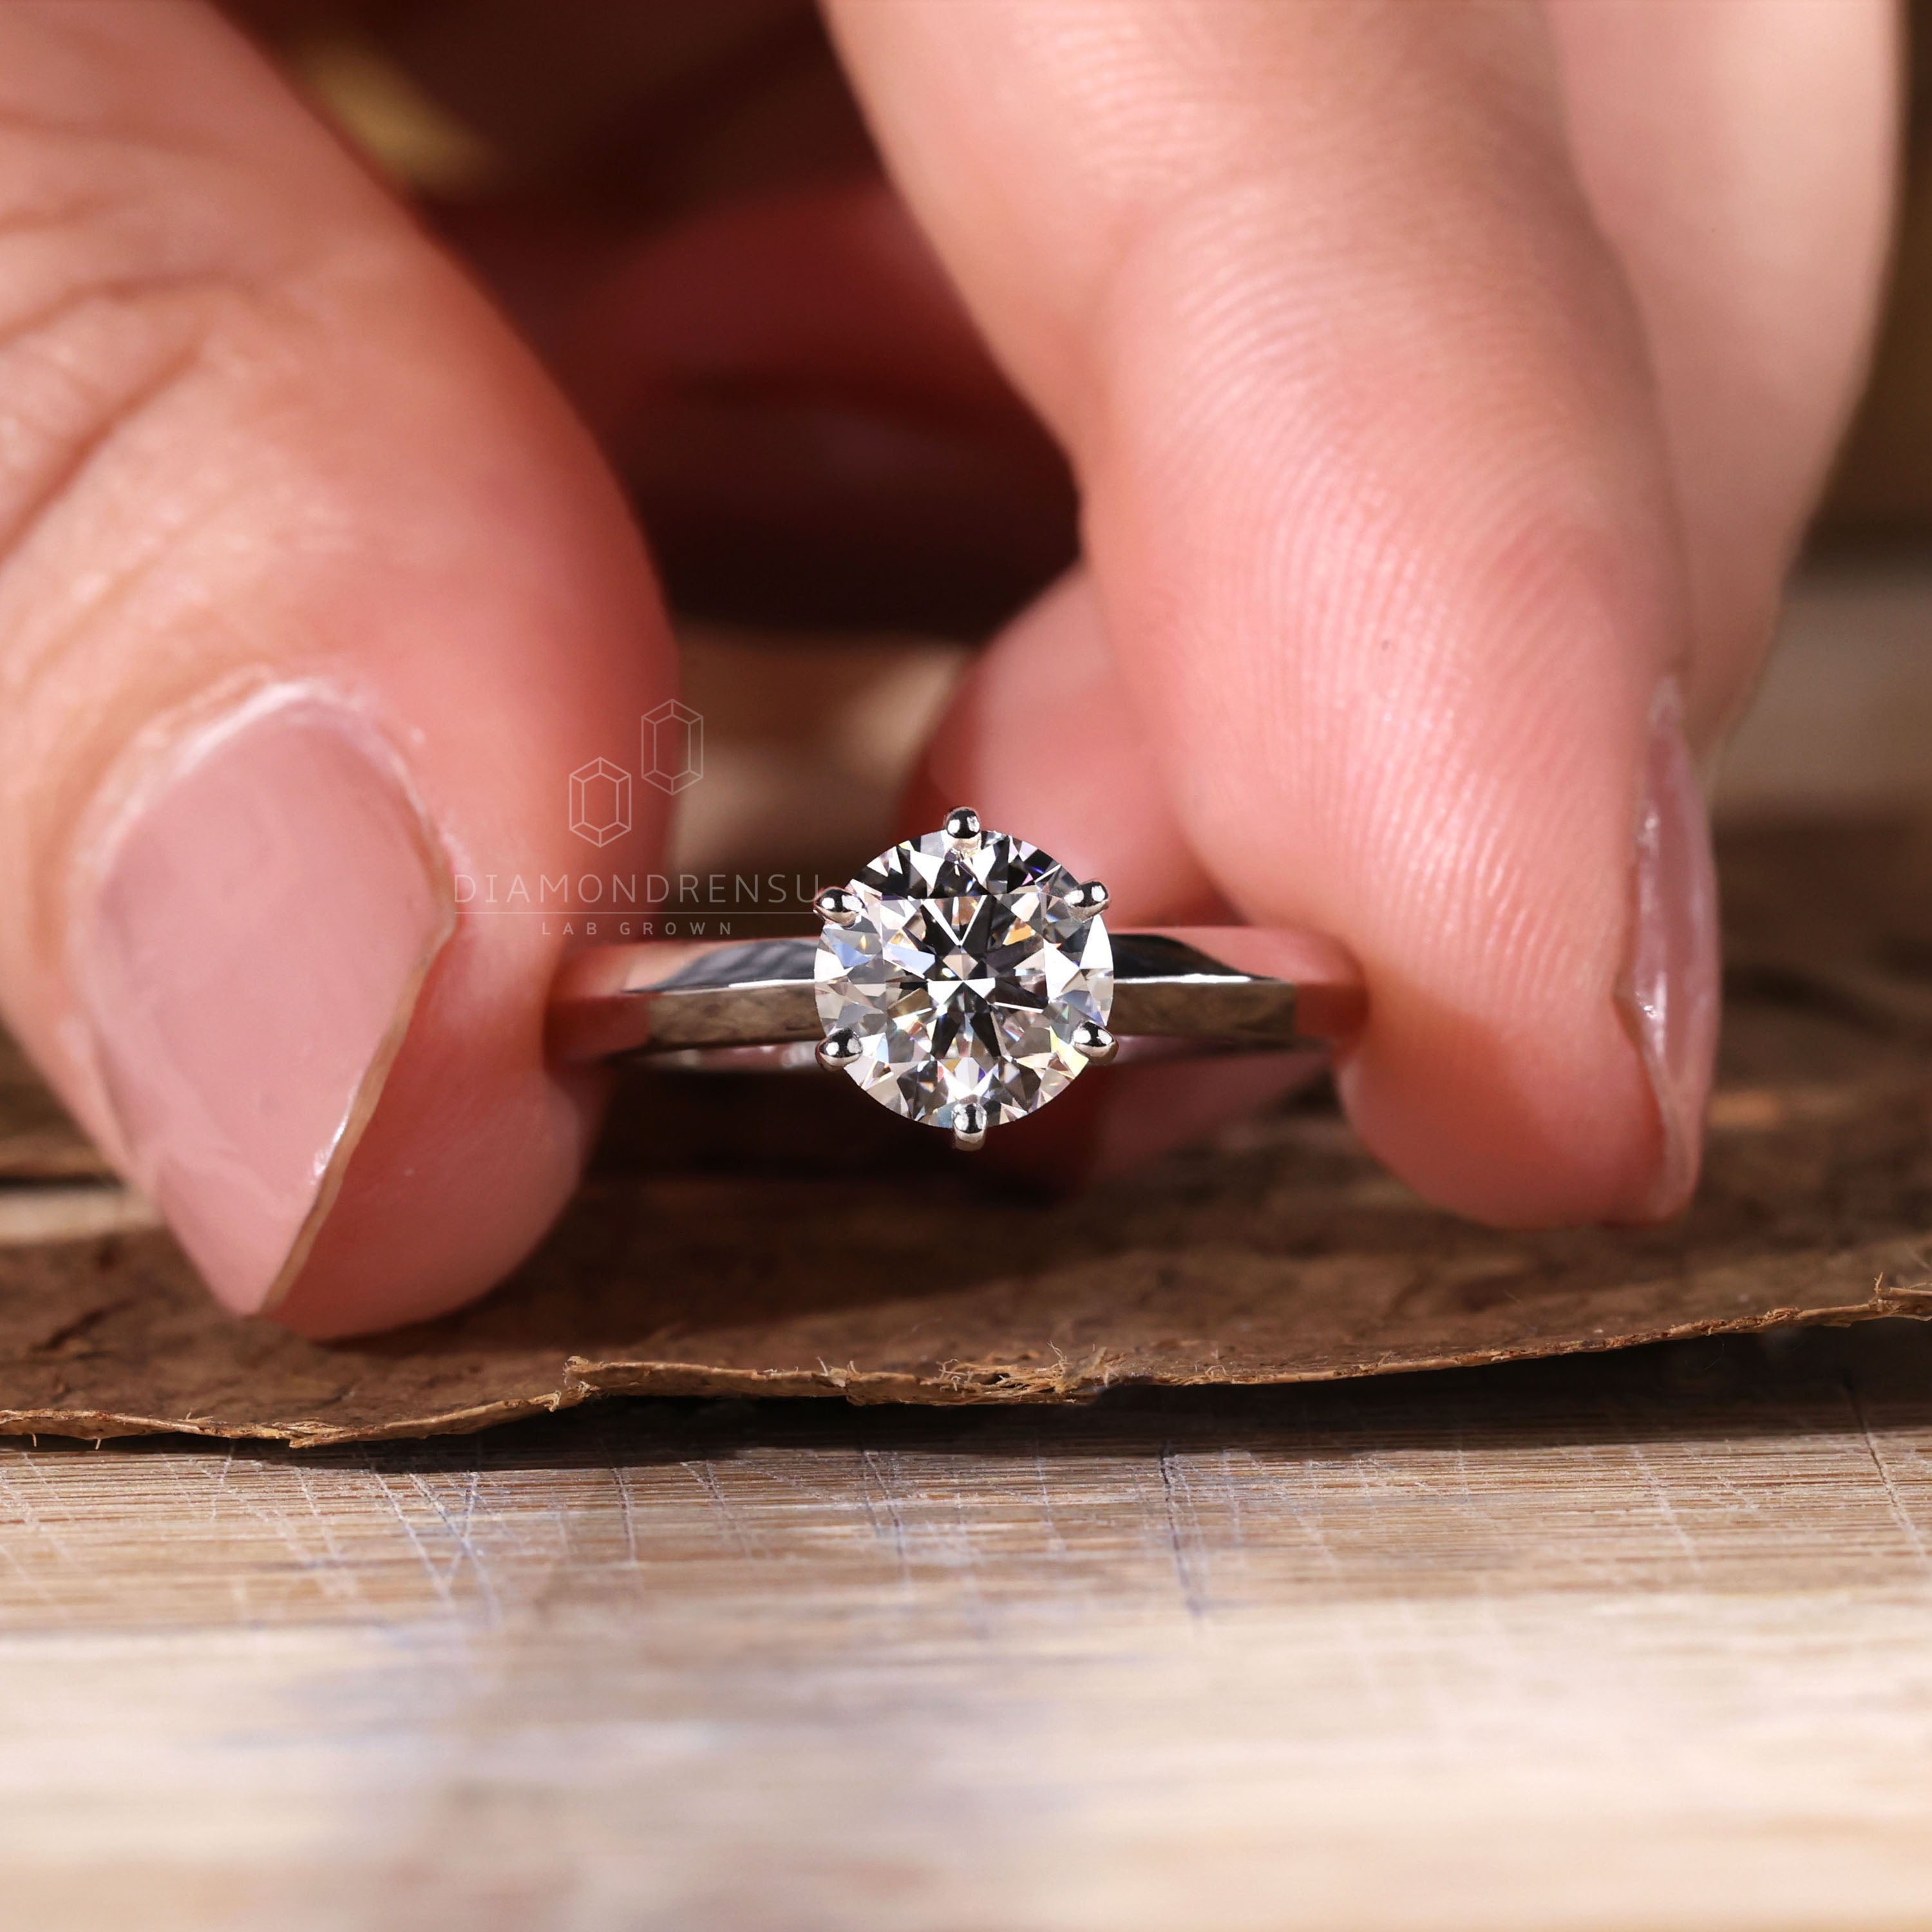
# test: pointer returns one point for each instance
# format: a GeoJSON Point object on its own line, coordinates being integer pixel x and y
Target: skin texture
{"type": "Point", "coordinates": [1444, 387]}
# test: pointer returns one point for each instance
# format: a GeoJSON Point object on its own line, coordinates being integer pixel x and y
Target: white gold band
{"type": "Point", "coordinates": [665, 997]}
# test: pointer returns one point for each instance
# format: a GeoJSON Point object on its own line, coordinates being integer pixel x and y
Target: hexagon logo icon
{"type": "Point", "coordinates": [600, 801]}
{"type": "Point", "coordinates": [673, 747]}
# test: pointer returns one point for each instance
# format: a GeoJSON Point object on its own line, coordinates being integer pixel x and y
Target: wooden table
{"type": "Point", "coordinates": [1622, 1642]}
{"type": "Point", "coordinates": [1633, 1641]}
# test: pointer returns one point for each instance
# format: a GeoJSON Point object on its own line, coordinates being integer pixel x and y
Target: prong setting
{"type": "Point", "coordinates": [838, 1050]}
{"type": "Point", "coordinates": [836, 906]}
{"type": "Point", "coordinates": [1091, 897]}
{"type": "Point", "coordinates": [1094, 1044]}
{"type": "Point", "coordinates": [964, 974]}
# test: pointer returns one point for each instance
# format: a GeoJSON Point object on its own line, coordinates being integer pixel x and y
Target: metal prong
{"type": "Point", "coordinates": [838, 1050]}
{"type": "Point", "coordinates": [836, 906]}
{"type": "Point", "coordinates": [962, 825]}
{"type": "Point", "coordinates": [969, 1127]}
{"type": "Point", "coordinates": [1092, 897]}
{"type": "Point", "coordinates": [1094, 1044]}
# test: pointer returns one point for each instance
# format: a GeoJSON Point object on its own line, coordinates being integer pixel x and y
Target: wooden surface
{"type": "Point", "coordinates": [1633, 1641]}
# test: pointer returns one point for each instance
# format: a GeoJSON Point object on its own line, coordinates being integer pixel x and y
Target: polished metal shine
{"type": "Point", "coordinates": [964, 979]}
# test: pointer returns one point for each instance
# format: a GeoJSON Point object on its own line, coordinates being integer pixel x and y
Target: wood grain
{"type": "Point", "coordinates": [1640, 1641]}
{"type": "Point", "coordinates": [1637, 1638]}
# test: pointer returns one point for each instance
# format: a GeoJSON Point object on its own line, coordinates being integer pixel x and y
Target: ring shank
{"type": "Point", "coordinates": [1183, 985]}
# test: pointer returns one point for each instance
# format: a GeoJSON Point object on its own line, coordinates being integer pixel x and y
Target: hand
{"type": "Point", "coordinates": [1446, 386]}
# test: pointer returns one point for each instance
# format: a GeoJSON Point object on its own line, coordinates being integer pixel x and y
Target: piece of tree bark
{"type": "Point", "coordinates": [702, 1258]}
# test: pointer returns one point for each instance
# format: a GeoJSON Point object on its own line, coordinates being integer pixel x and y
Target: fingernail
{"type": "Point", "coordinates": [249, 949]}
{"type": "Point", "coordinates": [1667, 993]}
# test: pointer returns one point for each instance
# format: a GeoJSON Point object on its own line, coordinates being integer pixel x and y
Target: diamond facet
{"type": "Point", "coordinates": [964, 977]}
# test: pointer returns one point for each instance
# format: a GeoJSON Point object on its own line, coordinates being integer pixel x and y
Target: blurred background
{"type": "Point", "coordinates": [841, 496]}
{"type": "Point", "coordinates": [1882, 494]}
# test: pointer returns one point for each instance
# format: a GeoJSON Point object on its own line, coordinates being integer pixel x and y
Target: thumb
{"type": "Point", "coordinates": [312, 597]}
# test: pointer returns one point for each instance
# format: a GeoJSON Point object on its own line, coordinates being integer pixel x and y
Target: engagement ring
{"type": "Point", "coordinates": [963, 980]}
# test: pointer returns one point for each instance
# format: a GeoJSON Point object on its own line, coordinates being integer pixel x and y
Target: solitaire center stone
{"type": "Point", "coordinates": [963, 977]}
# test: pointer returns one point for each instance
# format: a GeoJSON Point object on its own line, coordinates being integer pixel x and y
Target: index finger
{"type": "Point", "coordinates": [1380, 523]}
